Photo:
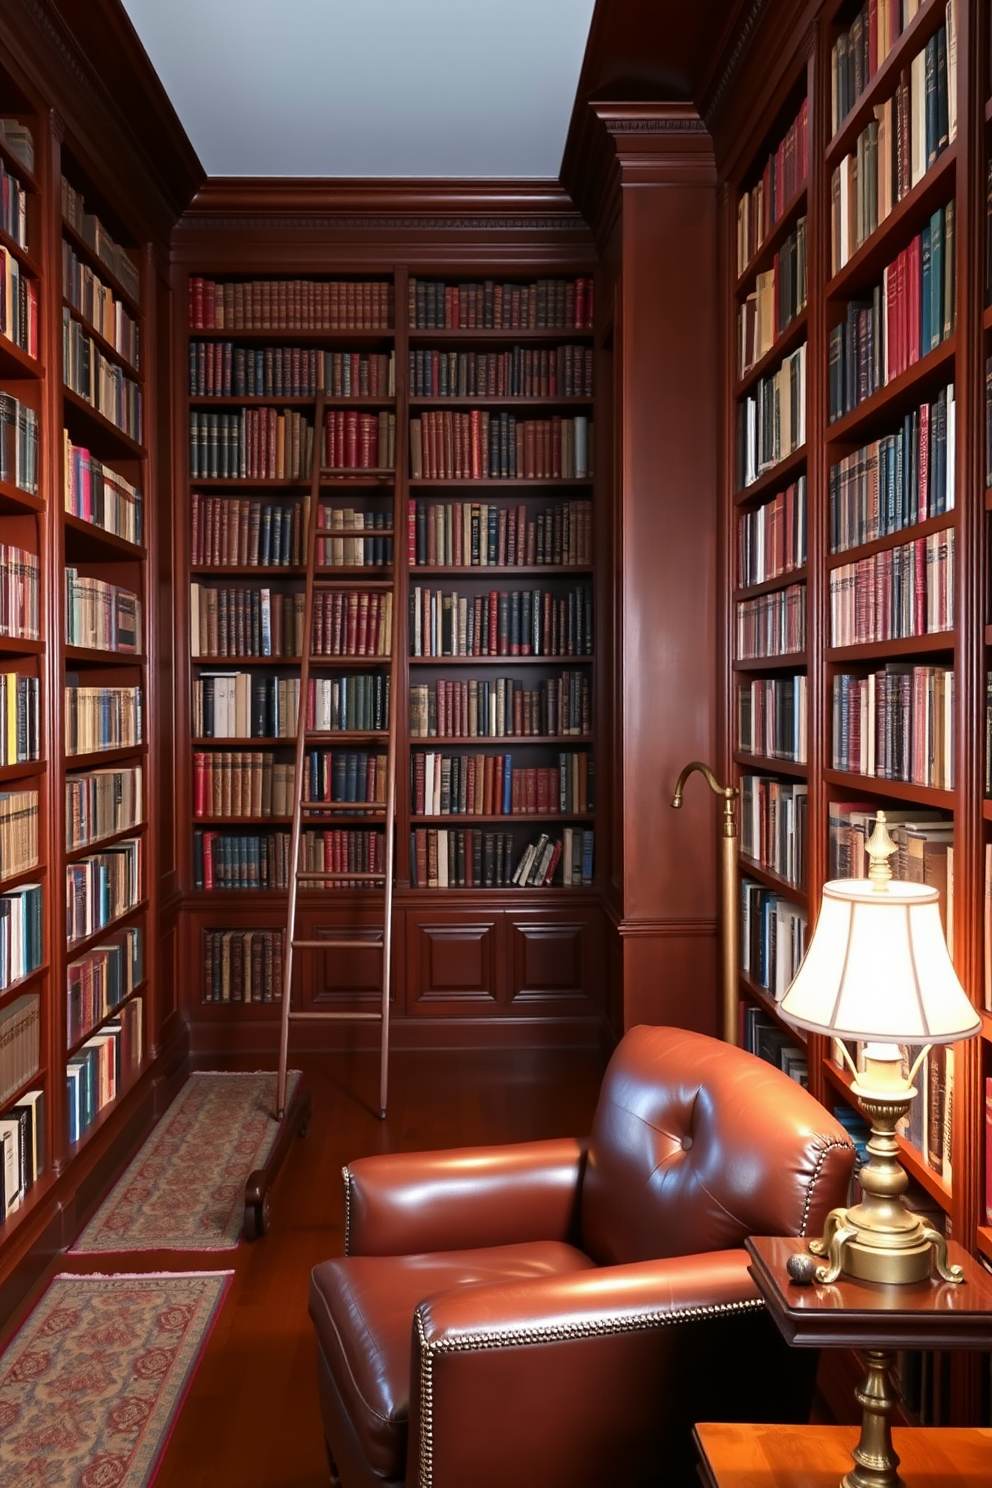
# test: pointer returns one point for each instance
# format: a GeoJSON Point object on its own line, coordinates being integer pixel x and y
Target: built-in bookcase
{"type": "Point", "coordinates": [456, 456]}
{"type": "Point", "coordinates": [854, 683]}
{"type": "Point", "coordinates": [76, 889]}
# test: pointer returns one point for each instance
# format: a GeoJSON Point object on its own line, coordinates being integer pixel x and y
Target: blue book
{"type": "Point", "coordinates": [587, 856]}
{"type": "Point", "coordinates": [507, 783]}
{"type": "Point", "coordinates": [936, 282]}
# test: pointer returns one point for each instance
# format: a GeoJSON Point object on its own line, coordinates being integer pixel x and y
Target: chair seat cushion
{"type": "Point", "coordinates": [362, 1308]}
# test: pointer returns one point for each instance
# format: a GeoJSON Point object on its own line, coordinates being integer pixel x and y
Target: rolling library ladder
{"type": "Point", "coordinates": [329, 579]}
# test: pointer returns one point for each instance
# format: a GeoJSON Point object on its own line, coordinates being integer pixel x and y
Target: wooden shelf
{"type": "Point", "coordinates": [435, 744]}
{"type": "Point", "coordinates": [15, 363]}
{"type": "Point", "coordinates": [905, 390]}
{"type": "Point", "coordinates": [896, 790]}
{"type": "Point", "coordinates": [76, 948]}
{"type": "Point", "coordinates": [901, 646]}
{"type": "Point", "coordinates": [502, 661]}
{"type": "Point", "coordinates": [353, 340]}
{"type": "Point", "coordinates": [897, 539]}
{"type": "Point", "coordinates": [421, 336]}
{"type": "Point", "coordinates": [780, 229]}
{"type": "Point", "coordinates": [907, 217]}
{"type": "Point", "coordinates": [778, 581]}
{"type": "Point", "coordinates": [782, 347]}
{"type": "Point", "coordinates": [772, 880]}
{"type": "Point", "coordinates": [102, 437]}
{"type": "Point", "coordinates": [86, 541]}
{"type": "Point", "coordinates": [251, 400]}
{"type": "Point", "coordinates": [14, 502]}
{"type": "Point", "coordinates": [16, 166]}
{"type": "Point", "coordinates": [84, 849]}
{"type": "Point", "coordinates": [490, 482]}
{"type": "Point", "coordinates": [497, 570]}
{"type": "Point", "coordinates": [99, 758]}
{"type": "Point", "coordinates": [90, 656]}
{"type": "Point", "coordinates": [772, 481]}
{"type": "Point", "coordinates": [767, 764]}
{"type": "Point", "coordinates": [791, 661]}
{"type": "Point", "coordinates": [923, 25]}
{"type": "Point", "coordinates": [108, 348]}
{"type": "Point", "coordinates": [83, 250]}
{"type": "Point", "coordinates": [508, 400]}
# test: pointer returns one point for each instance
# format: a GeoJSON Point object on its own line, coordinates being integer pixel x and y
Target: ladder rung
{"type": "Point", "coordinates": [328, 877]}
{"type": "Point", "coordinates": [349, 583]}
{"type": "Point", "coordinates": [354, 808]}
{"type": "Point", "coordinates": [334, 1017]}
{"type": "Point", "coordinates": [338, 945]}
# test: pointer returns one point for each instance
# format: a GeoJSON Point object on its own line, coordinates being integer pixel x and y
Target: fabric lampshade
{"type": "Point", "coordinates": [877, 969]}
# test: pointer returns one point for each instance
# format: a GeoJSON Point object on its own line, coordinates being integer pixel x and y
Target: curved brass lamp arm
{"type": "Point", "coordinates": [729, 793]}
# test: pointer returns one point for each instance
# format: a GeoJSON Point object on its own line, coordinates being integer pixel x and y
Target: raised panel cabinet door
{"type": "Point", "coordinates": [552, 959]}
{"type": "Point", "coordinates": [453, 964]}
{"type": "Point", "coordinates": [345, 976]}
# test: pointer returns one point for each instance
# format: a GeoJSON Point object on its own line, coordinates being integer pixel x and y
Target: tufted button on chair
{"type": "Point", "coordinates": [558, 1314]}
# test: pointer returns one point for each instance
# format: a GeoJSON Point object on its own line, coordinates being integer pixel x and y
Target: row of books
{"type": "Point", "coordinates": [240, 860]}
{"type": "Point", "coordinates": [471, 534]}
{"type": "Point", "coordinates": [358, 441]}
{"type": "Point", "coordinates": [988, 418]}
{"type": "Point", "coordinates": [501, 707]}
{"type": "Point", "coordinates": [899, 592]}
{"type": "Point", "coordinates": [778, 296]}
{"type": "Point", "coordinates": [241, 782]}
{"type": "Point", "coordinates": [898, 480]}
{"type": "Point", "coordinates": [344, 850]}
{"type": "Point", "coordinates": [102, 887]}
{"type": "Point", "coordinates": [896, 724]}
{"type": "Point", "coordinates": [488, 446]}
{"type": "Point", "coordinates": [473, 858]}
{"type": "Point", "coordinates": [243, 965]}
{"type": "Point", "coordinates": [20, 598]}
{"type": "Point", "coordinates": [96, 493]}
{"type": "Point", "coordinates": [97, 303]}
{"type": "Point", "coordinates": [13, 207]}
{"type": "Point", "coordinates": [773, 717]}
{"type": "Point", "coordinates": [20, 1043]}
{"type": "Point", "coordinates": [99, 381]}
{"type": "Point", "coordinates": [94, 234]}
{"type": "Point", "coordinates": [103, 1067]}
{"type": "Point", "coordinates": [350, 551]}
{"type": "Point", "coordinates": [19, 140]}
{"type": "Point", "coordinates": [919, 836]}
{"type": "Point", "coordinates": [352, 623]}
{"type": "Point", "coordinates": [492, 785]}
{"type": "Point", "coordinates": [928, 1124]}
{"type": "Point", "coordinates": [241, 532]}
{"type": "Point", "coordinates": [22, 1149]}
{"type": "Point", "coordinates": [784, 173]}
{"type": "Point", "coordinates": [763, 1036]}
{"type": "Point", "coordinates": [521, 622]}
{"type": "Point", "coordinates": [18, 831]}
{"type": "Point", "coordinates": [523, 372]}
{"type": "Point", "coordinates": [774, 932]}
{"type": "Point", "coordinates": [908, 315]}
{"type": "Point", "coordinates": [20, 719]}
{"type": "Point", "coordinates": [22, 942]}
{"type": "Point", "coordinates": [893, 152]}
{"type": "Point", "coordinates": [546, 304]}
{"type": "Point", "coordinates": [101, 616]}
{"type": "Point", "coordinates": [242, 705]}
{"type": "Point", "coordinates": [771, 419]}
{"type": "Point", "coordinates": [774, 825]}
{"type": "Point", "coordinates": [101, 717]}
{"type": "Point", "coordinates": [101, 980]}
{"type": "Point", "coordinates": [771, 540]}
{"type": "Point", "coordinates": [859, 52]}
{"type": "Point", "coordinates": [18, 304]}
{"type": "Point", "coordinates": [344, 775]}
{"type": "Point", "coordinates": [102, 802]}
{"type": "Point", "coordinates": [357, 703]}
{"type": "Point", "coordinates": [253, 444]}
{"type": "Point", "coordinates": [242, 621]}
{"type": "Point", "coordinates": [290, 304]}
{"type": "Point", "coordinates": [19, 444]}
{"type": "Point", "coordinates": [771, 624]}
{"type": "Point", "coordinates": [221, 369]}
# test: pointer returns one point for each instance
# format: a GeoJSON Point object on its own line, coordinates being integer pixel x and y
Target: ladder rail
{"type": "Point", "coordinates": [306, 811]}
{"type": "Point", "coordinates": [297, 826]}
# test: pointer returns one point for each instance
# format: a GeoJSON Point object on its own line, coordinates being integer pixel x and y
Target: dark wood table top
{"type": "Point", "coordinates": [735, 1456]}
{"type": "Point", "coordinates": [864, 1314]}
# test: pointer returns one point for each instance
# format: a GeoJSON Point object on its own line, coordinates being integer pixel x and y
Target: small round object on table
{"type": "Point", "coordinates": [801, 1269]}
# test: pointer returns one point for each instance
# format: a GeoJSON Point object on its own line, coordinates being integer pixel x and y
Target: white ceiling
{"type": "Point", "coordinates": [370, 87]}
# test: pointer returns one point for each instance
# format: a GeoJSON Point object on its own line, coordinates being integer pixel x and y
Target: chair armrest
{"type": "Point", "coordinates": [405, 1203]}
{"type": "Point", "coordinates": [574, 1379]}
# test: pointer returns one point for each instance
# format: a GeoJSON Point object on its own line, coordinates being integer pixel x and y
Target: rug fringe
{"type": "Point", "coordinates": [243, 1073]}
{"type": "Point", "coordinates": [136, 1275]}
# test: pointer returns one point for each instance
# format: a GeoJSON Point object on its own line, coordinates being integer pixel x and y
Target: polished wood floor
{"type": "Point", "coordinates": [251, 1417]}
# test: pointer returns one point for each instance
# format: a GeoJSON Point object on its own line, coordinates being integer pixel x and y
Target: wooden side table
{"type": "Point", "coordinates": [878, 1319]}
{"type": "Point", "coordinates": [818, 1456]}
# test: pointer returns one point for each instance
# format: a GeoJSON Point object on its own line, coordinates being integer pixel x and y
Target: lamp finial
{"type": "Point", "coordinates": [880, 848]}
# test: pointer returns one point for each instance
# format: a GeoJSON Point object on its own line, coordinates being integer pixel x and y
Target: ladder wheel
{"type": "Point", "coordinates": [258, 1218]}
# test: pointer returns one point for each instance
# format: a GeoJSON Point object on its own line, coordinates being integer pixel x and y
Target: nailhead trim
{"type": "Point", "coordinates": [492, 1339]}
{"type": "Point", "coordinates": [829, 1144]}
{"type": "Point", "coordinates": [346, 1175]}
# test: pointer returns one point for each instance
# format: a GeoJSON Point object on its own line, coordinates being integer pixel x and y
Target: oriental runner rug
{"type": "Point", "coordinates": [91, 1384]}
{"type": "Point", "coordinates": [185, 1189]}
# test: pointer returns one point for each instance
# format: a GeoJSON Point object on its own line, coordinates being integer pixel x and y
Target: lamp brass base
{"type": "Point", "coordinates": [894, 1256]}
{"type": "Point", "coordinates": [875, 1458]}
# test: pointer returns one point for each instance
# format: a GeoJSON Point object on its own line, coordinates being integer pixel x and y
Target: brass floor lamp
{"type": "Point", "coordinates": [728, 889]}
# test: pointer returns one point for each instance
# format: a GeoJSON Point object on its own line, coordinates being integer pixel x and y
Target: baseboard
{"type": "Point", "coordinates": [234, 1037]}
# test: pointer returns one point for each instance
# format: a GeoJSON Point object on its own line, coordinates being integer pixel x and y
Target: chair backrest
{"type": "Point", "coordinates": [696, 1144]}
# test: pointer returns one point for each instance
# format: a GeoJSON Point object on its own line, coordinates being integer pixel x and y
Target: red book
{"type": "Point", "coordinates": [920, 586]}
{"type": "Point", "coordinates": [493, 623]}
{"type": "Point", "coordinates": [923, 466]}
{"type": "Point", "coordinates": [915, 292]}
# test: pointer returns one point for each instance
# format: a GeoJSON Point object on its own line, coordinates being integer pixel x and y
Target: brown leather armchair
{"type": "Point", "coordinates": [557, 1314]}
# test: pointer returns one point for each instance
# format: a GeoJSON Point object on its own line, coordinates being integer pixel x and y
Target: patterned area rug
{"type": "Point", "coordinates": [92, 1383]}
{"type": "Point", "coordinates": [185, 1188]}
